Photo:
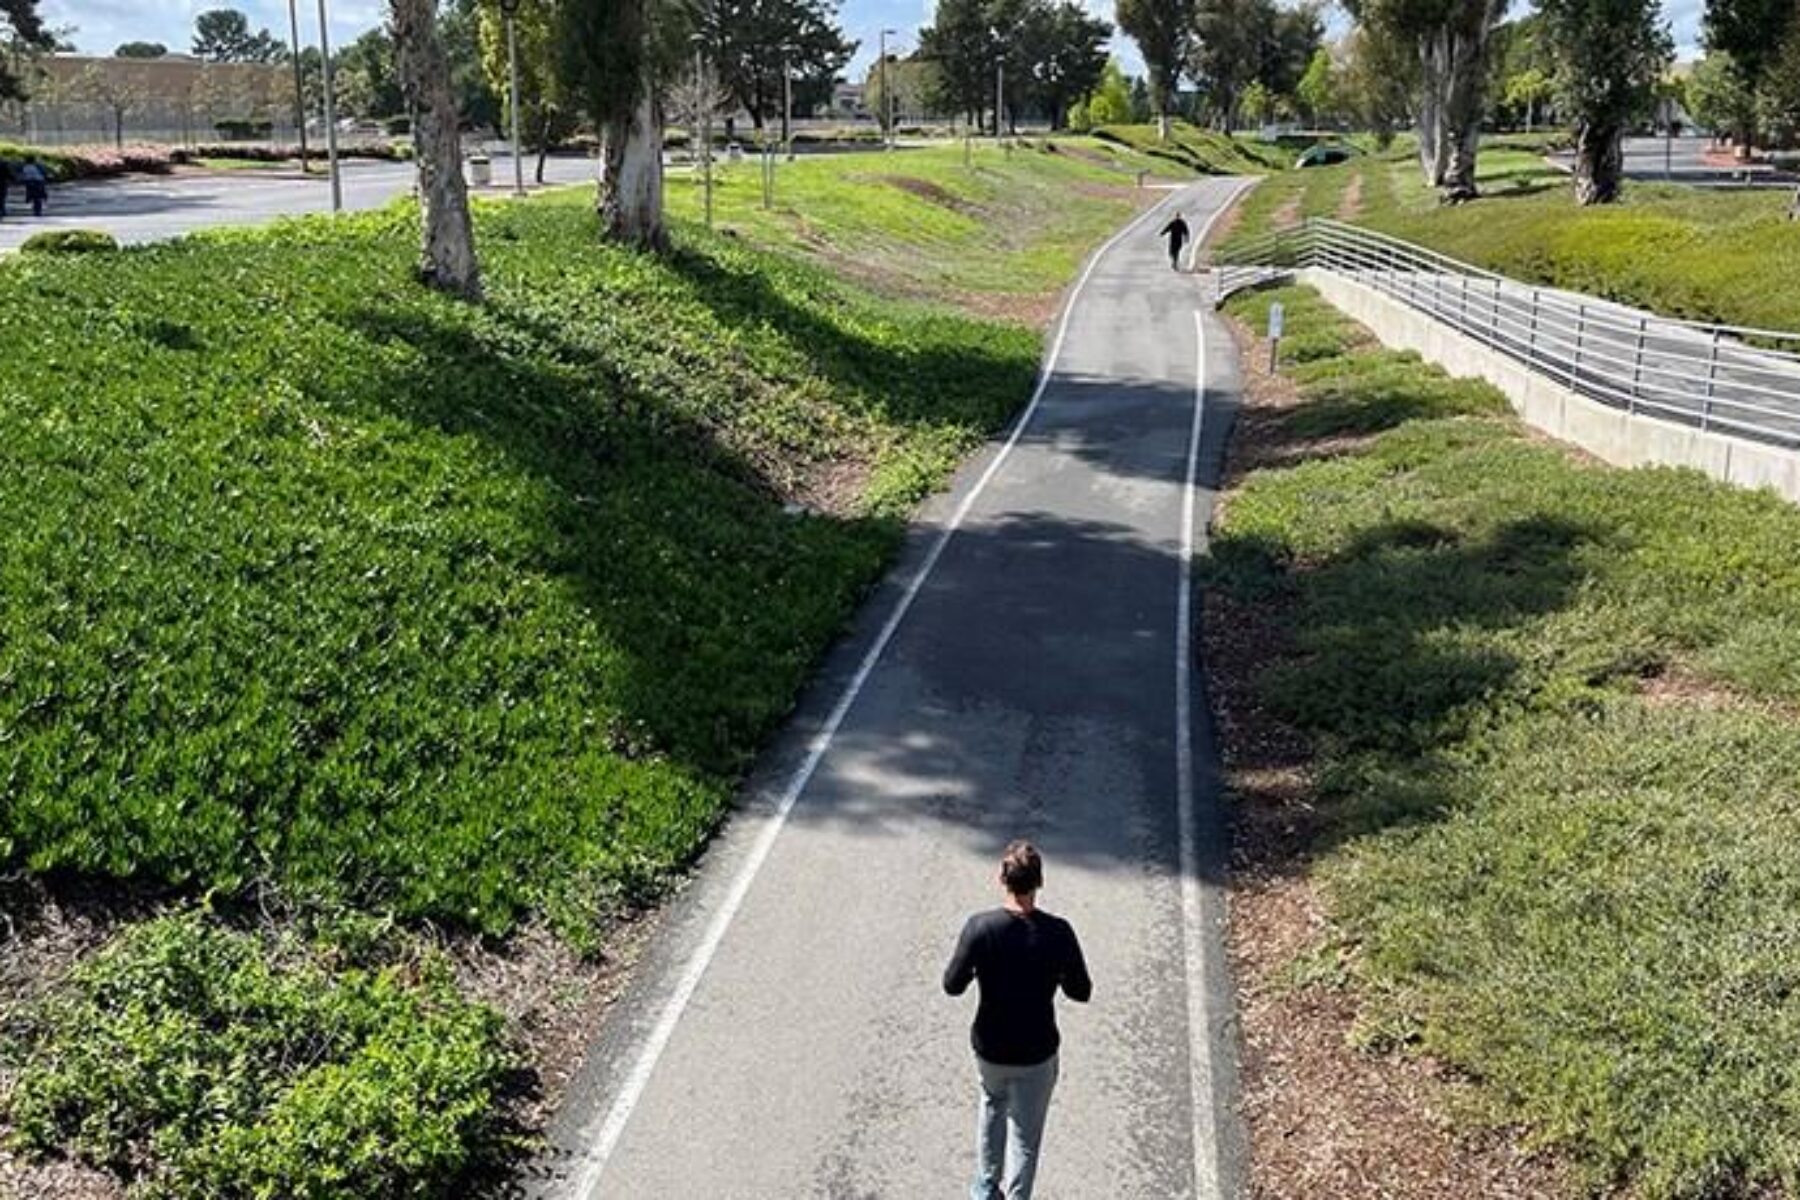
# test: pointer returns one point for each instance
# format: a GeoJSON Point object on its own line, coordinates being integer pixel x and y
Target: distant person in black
{"type": "Point", "coordinates": [1020, 955]}
{"type": "Point", "coordinates": [1177, 233]}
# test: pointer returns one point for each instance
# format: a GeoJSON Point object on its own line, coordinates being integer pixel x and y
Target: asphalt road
{"type": "Point", "coordinates": [1682, 160]}
{"type": "Point", "coordinates": [152, 208]}
{"type": "Point", "coordinates": [787, 1035]}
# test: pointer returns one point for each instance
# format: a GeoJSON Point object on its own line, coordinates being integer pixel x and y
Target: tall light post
{"type": "Point", "coordinates": [887, 97]}
{"type": "Point", "coordinates": [999, 100]}
{"type": "Point", "coordinates": [787, 102]}
{"type": "Point", "coordinates": [703, 100]}
{"type": "Point", "coordinates": [999, 81]}
{"type": "Point", "coordinates": [331, 146]}
{"type": "Point", "coordinates": [299, 81]}
{"type": "Point", "coordinates": [510, 10]}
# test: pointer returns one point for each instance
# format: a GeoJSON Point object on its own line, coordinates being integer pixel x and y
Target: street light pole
{"type": "Point", "coordinates": [299, 81]}
{"type": "Point", "coordinates": [887, 97]}
{"type": "Point", "coordinates": [331, 146]}
{"type": "Point", "coordinates": [703, 101]}
{"type": "Point", "coordinates": [999, 99]}
{"type": "Point", "coordinates": [510, 10]}
{"type": "Point", "coordinates": [787, 105]}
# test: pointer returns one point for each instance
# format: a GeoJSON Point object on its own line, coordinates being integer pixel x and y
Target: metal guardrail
{"type": "Point", "coordinates": [1737, 380]}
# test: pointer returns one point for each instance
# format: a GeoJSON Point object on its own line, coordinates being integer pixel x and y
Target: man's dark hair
{"type": "Point", "coordinates": [1022, 868]}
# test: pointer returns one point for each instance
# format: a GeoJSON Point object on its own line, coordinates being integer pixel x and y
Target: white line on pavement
{"type": "Point", "coordinates": [1206, 1167]}
{"type": "Point", "coordinates": [1194, 936]}
{"type": "Point", "coordinates": [638, 1081]}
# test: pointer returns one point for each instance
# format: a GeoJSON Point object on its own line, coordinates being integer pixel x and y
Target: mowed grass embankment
{"type": "Point", "coordinates": [1702, 254]}
{"type": "Point", "coordinates": [1551, 719]}
{"type": "Point", "coordinates": [917, 221]}
{"type": "Point", "coordinates": [334, 613]}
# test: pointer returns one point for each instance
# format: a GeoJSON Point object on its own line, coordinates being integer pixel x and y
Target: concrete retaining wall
{"type": "Point", "coordinates": [1614, 435]}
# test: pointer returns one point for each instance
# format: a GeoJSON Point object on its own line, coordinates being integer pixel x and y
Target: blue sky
{"type": "Point", "coordinates": [102, 24]}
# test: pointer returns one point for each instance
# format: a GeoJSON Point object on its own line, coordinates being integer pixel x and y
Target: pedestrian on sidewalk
{"type": "Point", "coordinates": [1177, 233]}
{"type": "Point", "coordinates": [1020, 955]}
{"type": "Point", "coordinates": [37, 185]}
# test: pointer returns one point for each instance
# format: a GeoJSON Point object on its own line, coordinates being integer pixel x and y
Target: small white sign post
{"type": "Point", "coordinates": [1277, 319]}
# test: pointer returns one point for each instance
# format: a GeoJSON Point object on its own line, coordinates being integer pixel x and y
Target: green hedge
{"type": "Point", "coordinates": [69, 241]}
{"type": "Point", "coordinates": [206, 1062]}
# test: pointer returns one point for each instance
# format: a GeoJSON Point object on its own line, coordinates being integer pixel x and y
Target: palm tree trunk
{"type": "Point", "coordinates": [447, 242]}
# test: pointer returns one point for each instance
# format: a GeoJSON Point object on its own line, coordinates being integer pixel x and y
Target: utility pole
{"type": "Point", "coordinates": [887, 97]}
{"type": "Point", "coordinates": [299, 81]}
{"type": "Point", "coordinates": [510, 10]}
{"type": "Point", "coordinates": [999, 101]}
{"type": "Point", "coordinates": [787, 105]}
{"type": "Point", "coordinates": [331, 146]}
{"type": "Point", "coordinates": [703, 100]}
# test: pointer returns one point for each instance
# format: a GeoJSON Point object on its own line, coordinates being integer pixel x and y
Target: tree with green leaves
{"type": "Point", "coordinates": [1718, 99]}
{"type": "Point", "coordinates": [1317, 90]}
{"type": "Point", "coordinates": [23, 36]}
{"type": "Point", "coordinates": [545, 117]}
{"type": "Point", "coordinates": [1609, 55]}
{"type": "Point", "coordinates": [960, 41]}
{"type": "Point", "coordinates": [1065, 51]}
{"type": "Point", "coordinates": [1778, 99]}
{"type": "Point", "coordinates": [616, 54]}
{"type": "Point", "coordinates": [141, 50]}
{"type": "Point", "coordinates": [1111, 102]}
{"type": "Point", "coordinates": [367, 77]}
{"type": "Point", "coordinates": [753, 43]}
{"type": "Point", "coordinates": [1451, 39]}
{"type": "Point", "coordinates": [1752, 33]}
{"type": "Point", "coordinates": [1164, 33]}
{"type": "Point", "coordinates": [1526, 93]}
{"type": "Point", "coordinates": [222, 35]}
{"type": "Point", "coordinates": [1379, 83]}
{"type": "Point", "coordinates": [447, 233]}
{"type": "Point", "coordinates": [1238, 42]}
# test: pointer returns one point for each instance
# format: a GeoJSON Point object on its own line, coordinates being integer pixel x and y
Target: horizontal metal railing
{"type": "Point", "coordinates": [1734, 379]}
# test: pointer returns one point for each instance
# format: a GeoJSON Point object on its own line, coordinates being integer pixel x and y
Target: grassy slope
{"type": "Point", "coordinates": [1551, 707]}
{"type": "Point", "coordinates": [314, 581]}
{"type": "Point", "coordinates": [918, 221]}
{"type": "Point", "coordinates": [1706, 255]}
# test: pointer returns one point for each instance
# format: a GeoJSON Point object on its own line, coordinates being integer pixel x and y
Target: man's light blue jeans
{"type": "Point", "coordinates": [1014, 1103]}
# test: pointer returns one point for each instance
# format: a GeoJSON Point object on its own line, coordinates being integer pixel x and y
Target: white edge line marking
{"type": "Point", "coordinates": [639, 1079]}
{"type": "Point", "coordinates": [1193, 936]}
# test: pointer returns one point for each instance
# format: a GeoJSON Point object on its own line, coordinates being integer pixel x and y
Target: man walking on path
{"type": "Point", "coordinates": [1177, 233]}
{"type": "Point", "coordinates": [1020, 955]}
{"type": "Point", "coordinates": [37, 185]}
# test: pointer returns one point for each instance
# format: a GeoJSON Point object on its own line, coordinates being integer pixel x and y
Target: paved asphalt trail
{"type": "Point", "coordinates": [1029, 690]}
{"type": "Point", "coordinates": [153, 208]}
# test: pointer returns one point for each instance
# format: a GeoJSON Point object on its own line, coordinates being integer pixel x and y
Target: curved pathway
{"type": "Point", "coordinates": [1026, 671]}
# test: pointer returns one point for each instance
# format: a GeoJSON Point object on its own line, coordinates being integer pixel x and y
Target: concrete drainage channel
{"type": "Point", "coordinates": [1628, 386]}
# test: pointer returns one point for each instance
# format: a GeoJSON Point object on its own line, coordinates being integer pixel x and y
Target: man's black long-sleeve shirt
{"type": "Point", "coordinates": [1020, 959]}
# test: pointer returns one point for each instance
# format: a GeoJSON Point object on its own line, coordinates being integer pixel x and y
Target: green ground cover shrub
{"type": "Point", "coordinates": [1557, 763]}
{"type": "Point", "coordinates": [199, 1061]}
{"type": "Point", "coordinates": [68, 241]}
{"type": "Point", "coordinates": [310, 577]}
